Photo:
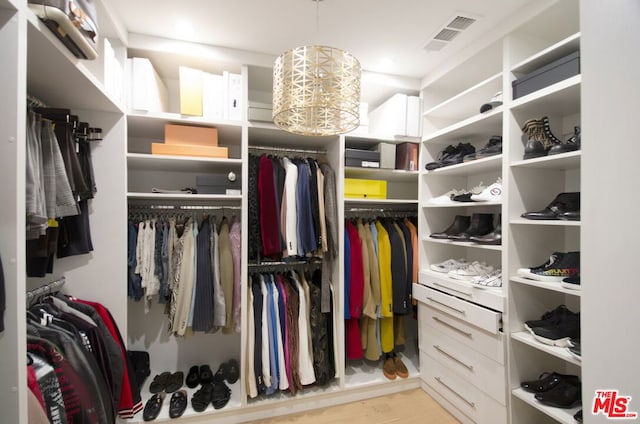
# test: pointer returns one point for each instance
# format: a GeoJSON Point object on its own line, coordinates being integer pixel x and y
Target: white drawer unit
{"type": "Point", "coordinates": [491, 298]}
{"type": "Point", "coordinates": [472, 402]}
{"type": "Point", "coordinates": [485, 373]}
{"type": "Point", "coordinates": [477, 315]}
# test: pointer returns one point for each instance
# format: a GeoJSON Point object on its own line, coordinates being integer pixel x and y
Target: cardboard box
{"type": "Point", "coordinates": [191, 135]}
{"type": "Point", "coordinates": [365, 189]}
{"type": "Point", "coordinates": [407, 156]}
{"type": "Point", "coordinates": [189, 150]}
{"type": "Point", "coordinates": [387, 155]}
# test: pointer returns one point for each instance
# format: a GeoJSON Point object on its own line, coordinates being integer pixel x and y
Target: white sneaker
{"type": "Point", "coordinates": [475, 269]}
{"type": "Point", "coordinates": [493, 193]}
{"type": "Point", "coordinates": [449, 265]}
{"type": "Point", "coordinates": [445, 199]}
{"type": "Point", "coordinates": [493, 279]}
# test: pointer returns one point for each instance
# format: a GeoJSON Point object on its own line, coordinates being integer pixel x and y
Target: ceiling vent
{"type": "Point", "coordinates": [449, 32]}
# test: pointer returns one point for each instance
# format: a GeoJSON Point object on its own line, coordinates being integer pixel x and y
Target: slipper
{"type": "Point", "coordinates": [175, 382]}
{"type": "Point", "coordinates": [159, 383]}
{"type": "Point", "coordinates": [206, 375]}
{"type": "Point", "coordinates": [178, 404]}
{"type": "Point", "coordinates": [202, 398]}
{"type": "Point", "coordinates": [221, 395]}
{"type": "Point", "coordinates": [221, 374]}
{"type": "Point", "coordinates": [193, 377]}
{"type": "Point", "coordinates": [153, 406]}
{"type": "Point", "coordinates": [232, 371]}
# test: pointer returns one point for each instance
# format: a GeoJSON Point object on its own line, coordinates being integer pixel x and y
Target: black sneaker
{"type": "Point", "coordinates": [559, 334]}
{"type": "Point", "coordinates": [447, 153]}
{"type": "Point", "coordinates": [567, 394]}
{"type": "Point", "coordinates": [547, 381]}
{"type": "Point", "coordinates": [549, 318]}
{"type": "Point", "coordinates": [464, 149]}
{"type": "Point", "coordinates": [574, 348]}
{"type": "Point", "coordinates": [559, 266]}
{"type": "Point", "coordinates": [571, 283]}
{"type": "Point", "coordinates": [492, 148]}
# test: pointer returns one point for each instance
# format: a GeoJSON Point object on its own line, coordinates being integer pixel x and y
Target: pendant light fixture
{"type": "Point", "coordinates": [316, 90]}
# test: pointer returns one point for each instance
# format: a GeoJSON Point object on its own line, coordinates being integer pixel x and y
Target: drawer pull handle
{"type": "Point", "coordinates": [460, 311]}
{"type": "Point", "coordinates": [447, 354]}
{"type": "Point", "coordinates": [453, 327]}
{"type": "Point", "coordinates": [471, 404]}
{"type": "Point", "coordinates": [435, 283]}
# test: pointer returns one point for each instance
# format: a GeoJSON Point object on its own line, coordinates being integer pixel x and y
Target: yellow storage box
{"type": "Point", "coordinates": [365, 189]}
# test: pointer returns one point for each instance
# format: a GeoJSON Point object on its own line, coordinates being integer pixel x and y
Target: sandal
{"type": "Point", "coordinates": [153, 406]}
{"type": "Point", "coordinates": [202, 398]}
{"type": "Point", "coordinates": [178, 404]}
{"type": "Point", "coordinates": [206, 375]}
{"type": "Point", "coordinates": [175, 382]}
{"type": "Point", "coordinates": [193, 377]}
{"type": "Point", "coordinates": [159, 383]}
{"type": "Point", "coordinates": [221, 395]}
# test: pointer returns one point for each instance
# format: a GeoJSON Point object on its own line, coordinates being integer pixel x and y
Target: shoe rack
{"type": "Point", "coordinates": [465, 331]}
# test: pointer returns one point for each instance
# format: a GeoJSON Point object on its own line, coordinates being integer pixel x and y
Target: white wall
{"type": "Point", "coordinates": [610, 198]}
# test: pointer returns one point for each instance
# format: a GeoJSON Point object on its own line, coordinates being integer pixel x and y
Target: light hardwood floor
{"type": "Point", "coordinates": [410, 407]}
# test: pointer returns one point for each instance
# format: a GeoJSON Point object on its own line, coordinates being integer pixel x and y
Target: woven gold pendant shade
{"type": "Point", "coordinates": [316, 91]}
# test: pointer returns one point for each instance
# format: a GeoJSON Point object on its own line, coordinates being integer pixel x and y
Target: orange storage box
{"type": "Point", "coordinates": [189, 150]}
{"type": "Point", "coordinates": [190, 135]}
{"type": "Point", "coordinates": [365, 189]}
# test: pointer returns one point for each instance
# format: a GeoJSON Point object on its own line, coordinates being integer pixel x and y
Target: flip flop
{"type": "Point", "coordinates": [202, 398]}
{"type": "Point", "coordinates": [175, 382]}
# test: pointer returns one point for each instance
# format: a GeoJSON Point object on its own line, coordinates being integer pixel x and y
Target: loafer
{"type": "Point", "coordinates": [566, 394]}
{"type": "Point", "coordinates": [193, 377]}
{"type": "Point", "coordinates": [175, 382]}
{"type": "Point", "coordinates": [546, 382]}
{"type": "Point", "coordinates": [565, 206]}
{"type": "Point", "coordinates": [153, 406]}
{"type": "Point", "coordinates": [159, 382]}
{"type": "Point", "coordinates": [178, 404]}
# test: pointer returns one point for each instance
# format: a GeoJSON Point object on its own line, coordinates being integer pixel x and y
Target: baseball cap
{"type": "Point", "coordinates": [495, 101]}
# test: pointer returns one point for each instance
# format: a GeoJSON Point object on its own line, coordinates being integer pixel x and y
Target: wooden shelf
{"type": "Point", "coordinates": [148, 162]}
{"type": "Point", "coordinates": [563, 161]}
{"type": "Point", "coordinates": [480, 126]}
{"type": "Point", "coordinates": [57, 77]}
{"type": "Point", "coordinates": [463, 244]}
{"type": "Point", "coordinates": [548, 55]}
{"type": "Point", "coordinates": [559, 352]}
{"type": "Point", "coordinates": [564, 416]}
{"type": "Point", "coordinates": [554, 286]}
{"type": "Point", "coordinates": [542, 222]}
{"type": "Point", "coordinates": [491, 163]}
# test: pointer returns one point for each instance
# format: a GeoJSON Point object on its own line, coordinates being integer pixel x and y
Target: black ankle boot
{"type": "Point", "coordinates": [459, 225]}
{"type": "Point", "coordinates": [492, 238]}
{"type": "Point", "coordinates": [481, 224]}
{"type": "Point", "coordinates": [564, 206]}
{"type": "Point", "coordinates": [571, 145]}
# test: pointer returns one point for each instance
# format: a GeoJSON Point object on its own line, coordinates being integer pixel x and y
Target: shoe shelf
{"type": "Point", "coordinates": [361, 373]}
{"type": "Point", "coordinates": [309, 392]}
{"type": "Point", "coordinates": [147, 162]}
{"type": "Point", "coordinates": [477, 166]}
{"type": "Point", "coordinates": [467, 102]}
{"type": "Point", "coordinates": [57, 77]}
{"type": "Point", "coordinates": [480, 126]}
{"type": "Point", "coordinates": [550, 54]}
{"type": "Point", "coordinates": [461, 204]}
{"type": "Point", "coordinates": [554, 223]}
{"type": "Point", "coordinates": [564, 416]}
{"type": "Point", "coordinates": [559, 352]}
{"type": "Point", "coordinates": [559, 99]}
{"type": "Point", "coordinates": [463, 244]}
{"type": "Point", "coordinates": [398, 175]}
{"type": "Point", "coordinates": [235, 403]}
{"type": "Point", "coordinates": [554, 286]}
{"type": "Point", "coordinates": [563, 161]}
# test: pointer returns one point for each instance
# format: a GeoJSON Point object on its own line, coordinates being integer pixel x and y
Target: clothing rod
{"type": "Point", "coordinates": [288, 150]}
{"type": "Point", "coordinates": [51, 287]}
{"type": "Point", "coordinates": [282, 263]}
{"type": "Point", "coordinates": [182, 207]}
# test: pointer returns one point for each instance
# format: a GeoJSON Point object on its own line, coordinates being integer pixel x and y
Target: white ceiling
{"type": "Point", "coordinates": [387, 36]}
